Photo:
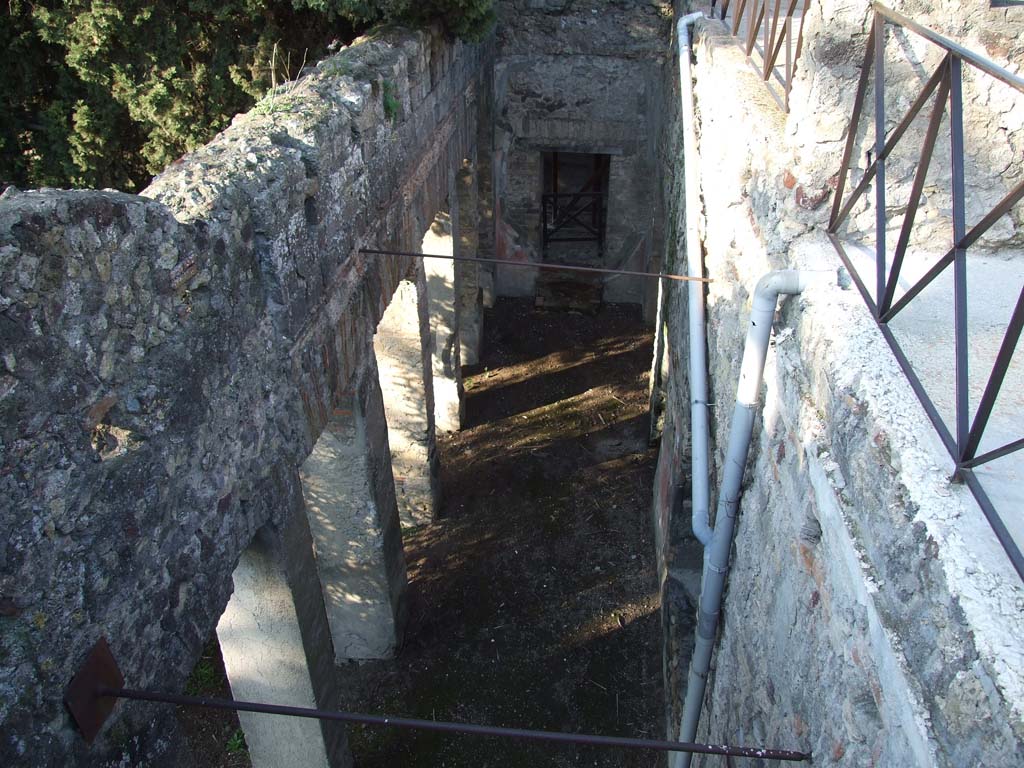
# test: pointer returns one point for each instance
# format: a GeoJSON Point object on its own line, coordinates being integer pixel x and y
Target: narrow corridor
{"type": "Point", "coordinates": [533, 597]}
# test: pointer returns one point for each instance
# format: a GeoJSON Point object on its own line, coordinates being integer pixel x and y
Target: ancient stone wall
{"type": "Point", "coordinates": [678, 569]}
{"type": "Point", "coordinates": [870, 616]}
{"type": "Point", "coordinates": [581, 77]}
{"type": "Point", "coordinates": [170, 359]}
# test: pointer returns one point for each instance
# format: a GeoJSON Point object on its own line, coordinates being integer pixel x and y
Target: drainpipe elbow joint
{"type": "Point", "coordinates": [702, 530]}
{"type": "Point", "coordinates": [771, 285]}
{"type": "Point", "coordinates": [683, 24]}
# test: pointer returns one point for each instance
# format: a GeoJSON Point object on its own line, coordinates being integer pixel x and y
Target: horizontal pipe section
{"type": "Point", "coordinates": [446, 727]}
{"type": "Point", "coordinates": [559, 267]}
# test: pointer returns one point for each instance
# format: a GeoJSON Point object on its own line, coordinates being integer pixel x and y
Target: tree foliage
{"type": "Point", "coordinates": [105, 93]}
{"type": "Point", "coordinates": [470, 19]}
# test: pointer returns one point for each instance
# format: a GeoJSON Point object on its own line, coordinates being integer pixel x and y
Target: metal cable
{"type": "Point", "coordinates": [447, 727]}
{"type": "Point", "coordinates": [560, 267]}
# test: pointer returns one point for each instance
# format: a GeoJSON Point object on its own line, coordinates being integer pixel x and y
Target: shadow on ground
{"type": "Point", "coordinates": [533, 598]}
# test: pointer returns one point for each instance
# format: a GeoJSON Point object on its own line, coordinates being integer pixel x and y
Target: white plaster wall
{"type": "Point", "coordinates": [443, 297]}
{"type": "Point", "coordinates": [348, 528]}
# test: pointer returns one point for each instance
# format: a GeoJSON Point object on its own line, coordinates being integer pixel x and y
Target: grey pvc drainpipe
{"type": "Point", "coordinates": [717, 541]}
{"type": "Point", "coordinates": [716, 556]}
{"type": "Point", "coordinates": [700, 492]}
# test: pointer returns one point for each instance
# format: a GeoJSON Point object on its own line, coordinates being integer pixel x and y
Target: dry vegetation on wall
{"type": "Point", "coordinates": [100, 94]}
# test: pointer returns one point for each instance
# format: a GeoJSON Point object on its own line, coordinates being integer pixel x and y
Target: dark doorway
{"type": "Point", "coordinates": [574, 206]}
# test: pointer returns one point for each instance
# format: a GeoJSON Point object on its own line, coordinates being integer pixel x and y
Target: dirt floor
{"type": "Point", "coordinates": [533, 598]}
{"type": "Point", "coordinates": [213, 735]}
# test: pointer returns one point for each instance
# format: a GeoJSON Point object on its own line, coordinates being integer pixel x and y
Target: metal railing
{"type": "Point", "coordinates": [767, 28]}
{"type": "Point", "coordinates": [946, 83]}
{"type": "Point", "coordinates": [573, 217]}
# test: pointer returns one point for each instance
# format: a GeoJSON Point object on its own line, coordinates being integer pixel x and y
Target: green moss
{"type": "Point", "coordinates": [391, 103]}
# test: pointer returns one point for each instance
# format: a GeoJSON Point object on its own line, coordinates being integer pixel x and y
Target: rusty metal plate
{"type": "Point", "coordinates": [88, 709]}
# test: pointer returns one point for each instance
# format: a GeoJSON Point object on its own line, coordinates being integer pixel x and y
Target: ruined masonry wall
{"type": "Point", "coordinates": [580, 78]}
{"type": "Point", "coordinates": [870, 617]}
{"type": "Point", "coordinates": [169, 358]}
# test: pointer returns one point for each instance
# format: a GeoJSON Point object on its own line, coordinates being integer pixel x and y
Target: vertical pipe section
{"type": "Point", "coordinates": [700, 493]}
{"type": "Point", "coordinates": [755, 350]}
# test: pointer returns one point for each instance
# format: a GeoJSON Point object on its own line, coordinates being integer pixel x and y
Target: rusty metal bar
{"type": "Point", "coordinates": [784, 34]}
{"type": "Point", "coordinates": [1002, 208]}
{"type": "Point", "coordinates": [790, 69]}
{"type": "Point", "coordinates": [536, 265]}
{"type": "Point", "coordinates": [765, 43]}
{"type": "Point", "coordinates": [989, 510]}
{"type": "Point", "coordinates": [472, 729]}
{"type": "Point", "coordinates": [754, 19]}
{"type": "Point", "coordinates": [737, 17]}
{"type": "Point", "coordinates": [890, 144]}
{"type": "Point", "coordinates": [91, 694]}
{"type": "Point", "coordinates": [937, 269]}
{"type": "Point", "coordinates": [463, 728]}
{"type": "Point", "coordinates": [915, 193]}
{"type": "Point", "coordinates": [998, 453]}
{"type": "Point", "coordinates": [1012, 198]}
{"type": "Point", "coordinates": [769, 40]}
{"type": "Point", "coordinates": [956, 145]}
{"type": "Point", "coordinates": [879, 70]}
{"type": "Point", "coordinates": [995, 379]}
{"type": "Point", "coordinates": [901, 358]}
{"type": "Point", "coordinates": [851, 136]}
{"type": "Point", "coordinates": [776, 32]}
{"type": "Point", "coordinates": [963, 438]}
{"type": "Point", "coordinates": [800, 34]}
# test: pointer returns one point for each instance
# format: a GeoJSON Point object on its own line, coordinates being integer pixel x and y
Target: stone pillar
{"type": "Point", "coordinates": [485, 194]}
{"type": "Point", "coordinates": [406, 380]}
{"type": "Point", "coordinates": [442, 296]}
{"type": "Point", "coordinates": [276, 645]}
{"type": "Point", "coordinates": [471, 316]}
{"type": "Point", "coordinates": [350, 500]}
